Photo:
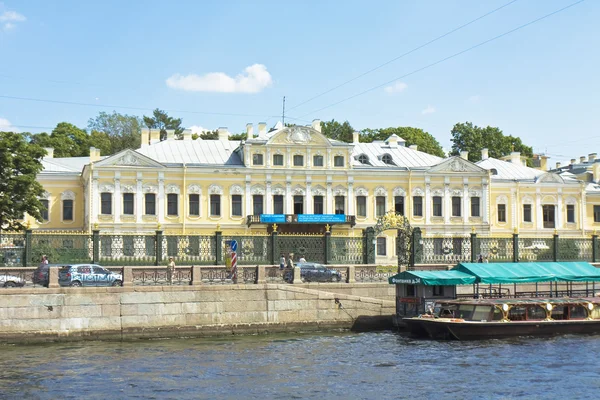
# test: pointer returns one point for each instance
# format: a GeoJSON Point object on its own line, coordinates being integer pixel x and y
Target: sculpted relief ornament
{"type": "Point", "coordinates": [172, 188]}
{"type": "Point", "coordinates": [193, 189]}
{"type": "Point", "coordinates": [150, 189]}
{"type": "Point", "coordinates": [215, 189]}
{"type": "Point", "coordinates": [298, 135]}
{"type": "Point", "coordinates": [128, 159]}
{"type": "Point", "coordinates": [458, 166]}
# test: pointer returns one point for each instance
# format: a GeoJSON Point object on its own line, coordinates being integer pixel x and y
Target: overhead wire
{"type": "Point", "coordinates": [446, 58]}
{"type": "Point", "coordinates": [404, 54]}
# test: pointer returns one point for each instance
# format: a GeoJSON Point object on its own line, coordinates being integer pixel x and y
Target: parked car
{"type": "Point", "coordinates": [40, 275]}
{"type": "Point", "coordinates": [88, 275]}
{"type": "Point", "coordinates": [314, 272]}
{"type": "Point", "coordinates": [11, 281]}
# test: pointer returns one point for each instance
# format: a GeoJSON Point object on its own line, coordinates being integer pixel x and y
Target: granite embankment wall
{"type": "Point", "coordinates": [40, 314]}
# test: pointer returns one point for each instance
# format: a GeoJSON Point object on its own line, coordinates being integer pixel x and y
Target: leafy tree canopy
{"type": "Point", "coordinates": [472, 138]}
{"type": "Point", "coordinates": [122, 130]}
{"type": "Point", "coordinates": [334, 130]}
{"type": "Point", "coordinates": [161, 120]}
{"type": "Point", "coordinates": [424, 140]}
{"type": "Point", "coordinates": [19, 190]}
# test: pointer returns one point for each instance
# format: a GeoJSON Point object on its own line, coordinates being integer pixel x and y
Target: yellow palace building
{"type": "Point", "coordinates": [305, 183]}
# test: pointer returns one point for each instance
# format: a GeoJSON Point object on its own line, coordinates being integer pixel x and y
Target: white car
{"type": "Point", "coordinates": [11, 280]}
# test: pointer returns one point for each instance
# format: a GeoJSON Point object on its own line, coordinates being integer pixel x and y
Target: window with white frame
{"type": "Point", "coordinates": [150, 204]}
{"type": "Point", "coordinates": [571, 213]}
{"type": "Point", "coordinates": [456, 206]}
{"type": "Point", "coordinates": [317, 161]}
{"type": "Point", "coordinates": [298, 160]}
{"type": "Point", "coordinates": [278, 160]}
{"type": "Point", "coordinates": [379, 206]}
{"type": "Point", "coordinates": [381, 246]}
{"type": "Point", "coordinates": [194, 204]}
{"type": "Point", "coordinates": [172, 204]}
{"type": "Point", "coordinates": [475, 207]}
{"type": "Point", "coordinates": [105, 203]}
{"type": "Point", "coordinates": [437, 206]}
{"type": "Point", "coordinates": [338, 161]}
{"type": "Point", "coordinates": [44, 210]}
{"type": "Point", "coordinates": [128, 203]}
{"type": "Point", "coordinates": [257, 159]}
{"type": "Point", "coordinates": [215, 205]}
{"type": "Point", "coordinates": [361, 206]}
{"type": "Point", "coordinates": [236, 205]}
{"type": "Point", "coordinates": [67, 210]}
{"type": "Point", "coordinates": [340, 204]}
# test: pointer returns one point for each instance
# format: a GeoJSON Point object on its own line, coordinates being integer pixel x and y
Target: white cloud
{"type": "Point", "coordinates": [198, 129]}
{"type": "Point", "coordinates": [475, 98]}
{"type": "Point", "coordinates": [396, 87]}
{"type": "Point", "coordinates": [428, 110]}
{"type": "Point", "coordinates": [6, 126]}
{"type": "Point", "coordinates": [254, 79]}
{"type": "Point", "coordinates": [10, 18]}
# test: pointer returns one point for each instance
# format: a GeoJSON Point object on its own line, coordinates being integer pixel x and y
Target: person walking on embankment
{"type": "Point", "coordinates": [170, 270]}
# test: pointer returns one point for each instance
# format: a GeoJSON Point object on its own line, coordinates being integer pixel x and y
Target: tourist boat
{"type": "Point", "coordinates": [502, 318]}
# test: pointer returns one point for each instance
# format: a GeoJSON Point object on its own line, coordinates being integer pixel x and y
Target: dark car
{"type": "Point", "coordinates": [314, 272]}
{"type": "Point", "coordinates": [88, 275]}
{"type": "Point", "coordinates": [40, 275]}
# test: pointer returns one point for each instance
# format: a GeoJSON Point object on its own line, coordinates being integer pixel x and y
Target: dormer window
{"type": "Point", "coordinates": [257, 159]}
{"type": "Point", "coordinates": [363, 159]}
{"type": "Point", "coordinates": [494, 171]}
{"type": "Point", "coordinates": [387, 159]}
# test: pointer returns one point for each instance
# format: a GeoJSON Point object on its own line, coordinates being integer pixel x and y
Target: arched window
{"type": "Point", "coordinates": [387, 159]}
{"type": "Point", "coordinates": [363, 159]}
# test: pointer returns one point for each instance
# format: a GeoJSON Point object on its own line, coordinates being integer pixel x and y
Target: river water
{"type": "Point", "coordinates": [318, 366]}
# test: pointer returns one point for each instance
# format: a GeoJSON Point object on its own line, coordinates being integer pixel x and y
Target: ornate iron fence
{"type": "Point", "coordinates": [12, 249]}
{"type": "Point", "coordinates": [71, 248]}
{"type": "Point", "coordinates": [251, 249]}
{"type": "Point", "coordinates": [127, 249]}
{"type": "Point", "coordinates": [574, 249]}
{"type": "Point", "coordinates": [311, 247]}
{"type": "Point", "coordinates": [190, 249]}
{"type": "Point", "coordinates": [493, 249]}
{"type": "Point", "coordinates": [536, 249]}
{"type": "Point", "coordinates": [345, 250]}
{"type": "Point", "coordinates": [445, 250]}
{"type": "Point", "coordinates": [159, 276]}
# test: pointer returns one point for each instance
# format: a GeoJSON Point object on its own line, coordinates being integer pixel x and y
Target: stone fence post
{"type": "Point", "coordinates": [196, 275]}
{"type": "Point", "coordinates": [297, 276]}
{"type": "Point", "coordinates": [53, 277]}
{"type": "Point", "coordinates": [261, 272]}
{"type": "Point", "coordinates": [127, 276]}
{"type": "Point", "coordinates": [351, 277]}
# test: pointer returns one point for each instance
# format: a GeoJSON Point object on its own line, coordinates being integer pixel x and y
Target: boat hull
{"type": "Point", "coordinates": [472, 330]}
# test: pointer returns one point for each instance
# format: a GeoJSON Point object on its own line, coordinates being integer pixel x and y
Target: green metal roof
{"type": "Point", "coordinates": [430, 278]}
{"type": "Point", "coordinates": [527, 272]}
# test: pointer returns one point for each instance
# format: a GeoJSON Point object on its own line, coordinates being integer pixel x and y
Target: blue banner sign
{"type": "Point", "coordinates": [272, 218]}
{"type": "Point", "coordinates": [322, 218]}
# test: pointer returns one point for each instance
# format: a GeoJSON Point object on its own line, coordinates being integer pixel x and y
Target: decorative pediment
{"type": "Point", "coordinates": [418, 192]}
{"type": "Point", "coordinates": [361, 191]}
{"type": "Point", "coordinates": [147, 188]}
{"type": "Point", "coordinates": [550, 177]}
{"type": "Point", "coordinates": [67, 195]}
{"type": "Point", "coordinates": [236, 189]}
{"type": "Point", "coordinates": [527, 200]}
{"type": "Point", "coordinates": [299, 135]}
{"type": "Point", "coordinates": [398, 191]}
{"type": "Point", "coordinates": [106, 188]}
{"type": "Point", "coordinates": [456, 192]}
{"type": "Point", "coordinates": [215, 189]}
{"type": "Point", "coordinates": [458, 165]}
{"type": "Point", "coordinates": [380, 191]}
{"type": "Point", "coordinates": [128, 158]}
{"type": "Point", "coordinates": [194, 189]}
{"type": "Point", "coordinates": [299, 191]}
{"type": "Point", "coordinates": [502, 199]}
{"type": "Point", "coordinates": [437, 192]}
{"type": "Point", "coordinates": [172, 188]}
{"type": "Point", "coordinates": [127, 188]}
{"type": "Point", "coordinates": [45, 195]}
{"type": "Point", "coordinates": [278, 190]}
{"type": "Point", "coordinates": [258, 190]}
{"type": "Point", "coordinates": [340, 191]}
{"type": "Point", "coordinates": [318, 191]}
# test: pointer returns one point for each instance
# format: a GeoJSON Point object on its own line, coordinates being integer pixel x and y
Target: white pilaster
{"type": "Point", "coordinates": [447, 207]}
{"type": "Point", "coordinates": [558, 214]}
{"type": "Point", "coordinates": [513, 208]}
{"type": "Point", "coordinates": [95, 200]}
{"type": "Point", "coordinates": [329, 197]}
{"type": "Point", "coordinates": [139, 198]}
{"type": "Point", "coordinates": [309, 200]}
{"type": "Point", "coordinates": [118, 198]}
{"type": "Point", "coordinates": [538, 211]}
{"type": "Point", "coordinates": [485, 209]}
{"type": "Point", "coordinates": [269, 197]}
{"type": "Point", "coordinates": [289, 201]}
{"type": "Point", "coordinates": [350, 210]}
{"type": "Point", "coordinates": [466, 202]}
{"type": "Point", "coordinates": [160, 201]}
{"type": "Point", "coordinates": [248, 195]}
{"type": "Point", "coordinates": [427, 207]}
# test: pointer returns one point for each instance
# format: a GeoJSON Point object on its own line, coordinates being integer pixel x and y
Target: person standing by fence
{"type": "Point", "coordinates": [170, 270]}
{"type": "Point", "coordinates": [290, 260]}
{"type": "Point", "coordinates": [282, 262]}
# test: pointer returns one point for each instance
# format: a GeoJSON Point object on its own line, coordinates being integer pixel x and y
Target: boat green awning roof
{"type": "Point", "coordinates": [527, 272]}
{"type": "Point", "coordinates": [430, 278]}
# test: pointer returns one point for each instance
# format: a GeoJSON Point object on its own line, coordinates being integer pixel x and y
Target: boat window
{"type": "Point", "coordinates": [577, 312]}
{"type": "Point", "coordinates": [536, 312]}
{"type": "Point", "coordinates": [595, 313]}
{"type": "Point", "coordinates": [411, 291]}
{"type": "Point", "coordinates": [464, 311]}
{"type": "Point", "coordinates": [446, 310]}
{"type": "Point", "coordinates": [497, 314]}
{"type": "Point", "coordinates": [560, 312]}
{"type": "Point", "coordinates": [482, 313]}
{"type": "Point", "coordinates": [517, 313]}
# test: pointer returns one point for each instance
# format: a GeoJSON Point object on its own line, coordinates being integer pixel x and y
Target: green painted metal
{"type": "Point", "coordinates": [529, 272]}
{"type": "Point", "coordinates": [432, 278]}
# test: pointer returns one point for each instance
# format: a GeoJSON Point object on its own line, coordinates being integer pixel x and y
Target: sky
{"type": "Point", "coordinates": [428, 64]}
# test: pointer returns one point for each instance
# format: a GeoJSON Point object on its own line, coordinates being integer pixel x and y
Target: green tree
{"type": "Point", "coordinates": [101, 141]}
{"type": "Point", "coordinates": [424, 140]}
{"type": "Point", "coordinates": [334, 130]}
{"type": "Point", "coordinates": [161, 120]}
{"type": "Point", "coordinates": [20, 162]}
{"type": "Point", "coordinates": [124, 131]}
{"type": "Point", "coordinates": [472, 138]}
{"type": "Point", "coordinates": [77, 139]}
{"type": "Point", "coordinates": [63, 147]}
{"type": "Point", "coordinates": [210, 135]}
